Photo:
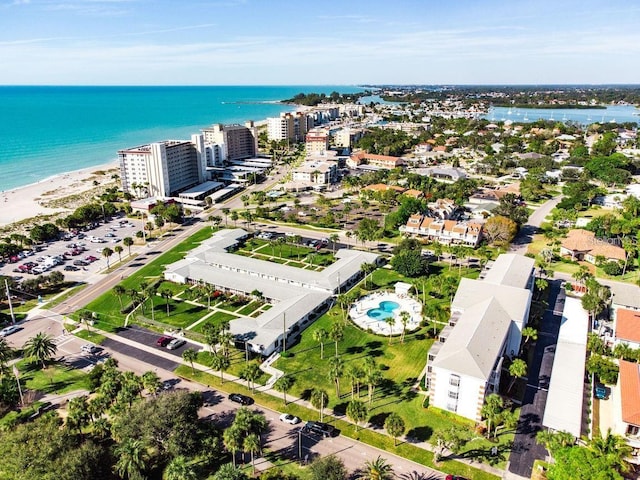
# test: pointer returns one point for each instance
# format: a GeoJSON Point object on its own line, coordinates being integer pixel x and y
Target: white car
{"type": "Point", "coordinates": [6, 331]}
{"type": "Point", "coordinates": [88, 348]}
{"type": "Point", "coordinates": [290, 419]}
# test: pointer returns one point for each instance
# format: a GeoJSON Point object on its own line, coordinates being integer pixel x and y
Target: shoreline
{"type": "Point", "coordinates": [30, 201]}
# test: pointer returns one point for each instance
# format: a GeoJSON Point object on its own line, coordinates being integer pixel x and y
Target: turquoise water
{"type": "Point", "coordinates": [385, 310]}
{"type": "Point", "coordinates": [50, 130]}
{"type": "Point", "coordinates": [614, 113]}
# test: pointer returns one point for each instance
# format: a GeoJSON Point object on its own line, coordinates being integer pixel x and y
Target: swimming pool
{"type": "Point", "coordinates": [384, 310]}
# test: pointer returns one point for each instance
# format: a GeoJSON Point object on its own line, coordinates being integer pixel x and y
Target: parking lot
{"type": "Point", "coordinates": [76, 256]}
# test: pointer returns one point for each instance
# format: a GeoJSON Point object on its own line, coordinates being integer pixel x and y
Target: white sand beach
{"type": "Point", "coordinates": [31, 201]}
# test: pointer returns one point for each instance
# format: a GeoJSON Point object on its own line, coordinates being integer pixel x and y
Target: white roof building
{"type": "Point", "coordinates": [487, 317]}
{"type": "Point", "coordinates": [298, 296]}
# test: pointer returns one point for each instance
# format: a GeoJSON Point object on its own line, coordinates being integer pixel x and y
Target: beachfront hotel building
{"type": "Point", "coordinates": [487, 317]}
{"type": "Point", "coordinates": [297, 296]}
{"type": "Point", "coordinates": [317, 142]}
{"type": "Point", "coordinates": [238, 141]}
{"type": "Point", "coordinates": [163, 169]}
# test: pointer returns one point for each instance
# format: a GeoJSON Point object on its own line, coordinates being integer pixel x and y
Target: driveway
{"type": "Point", "coordinates": [529, 229]}
{"type": "Point", "coordinates": [526, 449]}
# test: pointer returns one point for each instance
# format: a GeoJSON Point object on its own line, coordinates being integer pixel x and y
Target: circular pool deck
{"type": "Point", "coordinates": [359, 309]}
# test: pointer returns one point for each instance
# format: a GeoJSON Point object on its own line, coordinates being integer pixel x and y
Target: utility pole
{"type": "Point", "coordinates": [16, 374]}
{"type": "Point", "coordinates": [13, 316]}
{"type": "Point", "coordinates": [284, 332]}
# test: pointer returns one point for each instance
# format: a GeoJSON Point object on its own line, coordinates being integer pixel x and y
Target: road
{"type": "Point", "coordinates": [529, 229]}
{"type": "Point", "coordinates": [526, 449]}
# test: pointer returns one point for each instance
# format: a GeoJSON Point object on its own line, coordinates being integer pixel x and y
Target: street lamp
{"type": "Point", "coordinates": [16, 374]}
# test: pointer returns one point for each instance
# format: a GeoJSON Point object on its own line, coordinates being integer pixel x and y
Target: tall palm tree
{"type": "Point", "coordinates": [166, 293]}
{"type": "Point", "coordinates": [336, 369]}
{"type": "Point", "coordinates": [220, 363]}
{"type": "Point", "coordinates": [404, 320]}
{"type": "Point", "coordinates": [357, 411]}
{"type": "Point", "coordinates": [151, 382]}
{"type": "Point", "coordinates": [131, 459]}
{"type": "Point", "coordinates": [190, 355]}
{"type": "Point", "coordinates": [179, 469]}
{"type": "Point", "coordinates": [319, 400]}
{"type": "Point", "coordinates": [41, 347]}
{"type": "Point", "coordinates": [251, 444]}
{"type": "Point", "coordinates": [127, 242]}
{"type": "Point", "coordinates": [106, 253]}
{"type": "Point", "coordinates": [119, 291]}
{"type": "Point", "coordinates": [517, 369]}
{"type": "Point", "coordinates": [250, 373]}
{"type": "Point", "coordinates": [284, 384]}
{"type": "Point", "coordinates": [320, 335]}
{"type": "Point", "coordinates": [6, 354]}
{"type": "Point", "coordinates": [377, 469]}
{"type": "Point", "coordinates": [118, 249]}
{"type": "Point", "coordinates": [232, 439]}
{"type": "Point", "coordinates": [336, 333]}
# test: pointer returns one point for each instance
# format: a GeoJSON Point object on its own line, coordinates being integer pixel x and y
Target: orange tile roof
{"type": "Point", "coordinates": [579, 240]}
{"type": "Point", "coordinates": [378, 187]}
{"type": "Point", "coordinates": [450, 224]}
{"type": "Point", "coordinates": [414, 220]}
{"type": "Point", "coordinates": [426, 222]}
{"type": "Point", "coordinates": [413, 193]}
{"type": "Point", "coordinates": [628, 325]}
{"type": "Point", "coordinates": [630, 392]}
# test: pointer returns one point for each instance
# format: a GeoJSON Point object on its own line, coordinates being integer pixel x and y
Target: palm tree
{"type": "Point", "coordinates": [127, 242]}
{"type": "Point", "coordinates": [166, 293]}
{"type": "Point", "coordinates": [320, 335]}
{"type": "Point", "coordinates": [517, 369]}
{"type": "Point", "coordinates": [106, 253]}
{"type": "Point", "coordinates": [151, 382]}
{"type": "Point", "coordinates": [319, 400]}
{"type": "Point", "coordinates": [131, 459]}
{"type": "Point", "coordinates": [354, 373]}
{"type": "Point", "coordinates": [614, 448]}
{"type": "Point", "coordinates": [333, 238]}
{"type": "Point", "coordinates": [529, 333]}
{"type": "Point", "coordinates": [404, 320]}
{"type": "Point", "coordinates": [395, 426]}
{"type": "Point", "coordinates": [372, 376]}
{"type": "Point", "coordinates": [336, 369]}
{"type": "Point", "coordinates": [336, 333]}
{"type": "Point", "coordinates": [284, 384]}
{"type": "Point", "coordinates": [118, 249]}
{"type": "Point", "coordinates": [377, 469]}
{"type": "Point", "coordinates": [250, 373]}
{"type": "Point", "coordinates": [232, 438]}
{"type": "Point", "coordinates": [78, 413]}
{"type": "Point", "coordinates": [6, 354]}
{"type": "Point", "coordinates": [119, 291]}
{"type": "Point", "coordinates": [179, 469]}
{"type": "Point", "coordinates": [190, 355]}
{"type": "Point", "coordinates": [390, 321]}
{"type": "Point", "coordinates": [357, 411]}
{"type": "Point", "coordinates": [220, 363]}
{"type": "Point", "coordinates": [41, 347]}
{"type": "Point", "coordinates": [251, 445]}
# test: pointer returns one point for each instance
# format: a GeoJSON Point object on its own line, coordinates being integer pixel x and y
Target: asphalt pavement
{"type": "Point", "coordinates": [526, 450]}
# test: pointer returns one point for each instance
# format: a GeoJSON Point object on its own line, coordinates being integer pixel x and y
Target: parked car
{"type": "Point", "coordinates": [80, 263]}
{"type": "Point", "coordinates": [6, 331]}
{"type": "Point", "coordinates": [319, 428]}
{"type": "Point", "coordinates": [91, 258]}
{"type": "Point", "coordinates": [45, 407]}
{"type": "Point", "coordinates": [176, 343]}
{"type": "Point", "coordinates": [241, 399]}
{"type": "Point", "coordinates": [88, 348]}
{"type": "Point", "coordinates": [71, 268]}
{"type": "Point", "coordinates": [163, 341]}
{"type": "Point", "coordinates": [601, 392]}
{"type": "Point", "coordinates": [290, 419]}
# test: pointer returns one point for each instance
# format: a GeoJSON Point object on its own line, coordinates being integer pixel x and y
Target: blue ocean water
{"type": "Point", "coordinates": [46, 131]}
{"type": "Point", "coordinates": [613, 113]}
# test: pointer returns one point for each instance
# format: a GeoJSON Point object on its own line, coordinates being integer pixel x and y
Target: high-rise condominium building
{"type": "Point", "coordinates": [239, 141]}
{"type": "Point", "coordinates": [289, 126]}
{"type": "Point", "coordinates": [163, 169]}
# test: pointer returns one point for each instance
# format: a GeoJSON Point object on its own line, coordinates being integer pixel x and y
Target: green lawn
{"type": "Point", "coordinates": [181, 314]}
{"type": "Point", "coordinates": [91, 336]}
{"type": "Point", "coordinates": [215, 319]}
{"type": "Point", "coordinates": [56, 378]}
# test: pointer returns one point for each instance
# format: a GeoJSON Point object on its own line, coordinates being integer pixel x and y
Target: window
{"type": "Point", "coordinates": [453, 395]}
{"type": "Point", "coordinates": [452, 407]}
{"type": "Point", "coordinates": [633, 430]}
{"type": "Point", "coordinates": [454, 380]}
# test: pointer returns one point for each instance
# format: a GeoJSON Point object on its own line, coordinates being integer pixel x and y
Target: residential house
{"type": "Point", "coordinates": [444, 231]}
{"type": "Point", "coordinates": [372, 161]}
{"type": "Point", "coordinates": [627, 327]}
{"type": "Point", "coordinates": [583, 245]}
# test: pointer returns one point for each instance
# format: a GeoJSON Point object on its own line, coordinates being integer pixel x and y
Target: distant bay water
{"type": "Point", "coordinates": [46, 131]}
{"type": "Point", "coordinates": [612, 113]}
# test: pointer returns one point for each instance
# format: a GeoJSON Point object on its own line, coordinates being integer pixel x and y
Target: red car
{"type": "Point", "coordinates": [91, 258]}
{"type": "Point", "coordinates": [163, 341]}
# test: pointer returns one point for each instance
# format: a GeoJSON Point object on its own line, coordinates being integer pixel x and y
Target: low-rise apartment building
{"type": "Point", "coordinates": [444, 231]}
{"type": "Point", "coordinates": [373, 161]}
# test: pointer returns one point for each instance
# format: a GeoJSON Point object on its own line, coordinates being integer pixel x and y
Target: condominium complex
{"type": "Point", "coordinates": [487, 317]}
{"type": "Point", "coordinates": [317, 142]}
{"type": "Point", "coordinates": [289, 126]}
{"type": "Point", "coordinates": [238, 141]}
{"type": "Point", "coordinates": [163, 169]}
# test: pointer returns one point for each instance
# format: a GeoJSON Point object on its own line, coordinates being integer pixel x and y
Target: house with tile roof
{"type": "Point", "coordinates": [627, 415]}
{"type": "Point", "coordinates": [582, 244]}
{"type": "Point", "coordinates": [487, 317]}
{"type": "Point", "coordinates": [444, 231]}
{"type": "Point", "coordinates": [372, 161]}
{"type": "Point", "coordinates": [627, 327]}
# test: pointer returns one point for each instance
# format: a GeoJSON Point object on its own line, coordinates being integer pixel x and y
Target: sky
{"type": "Point", "coordinates": [327, 42]}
